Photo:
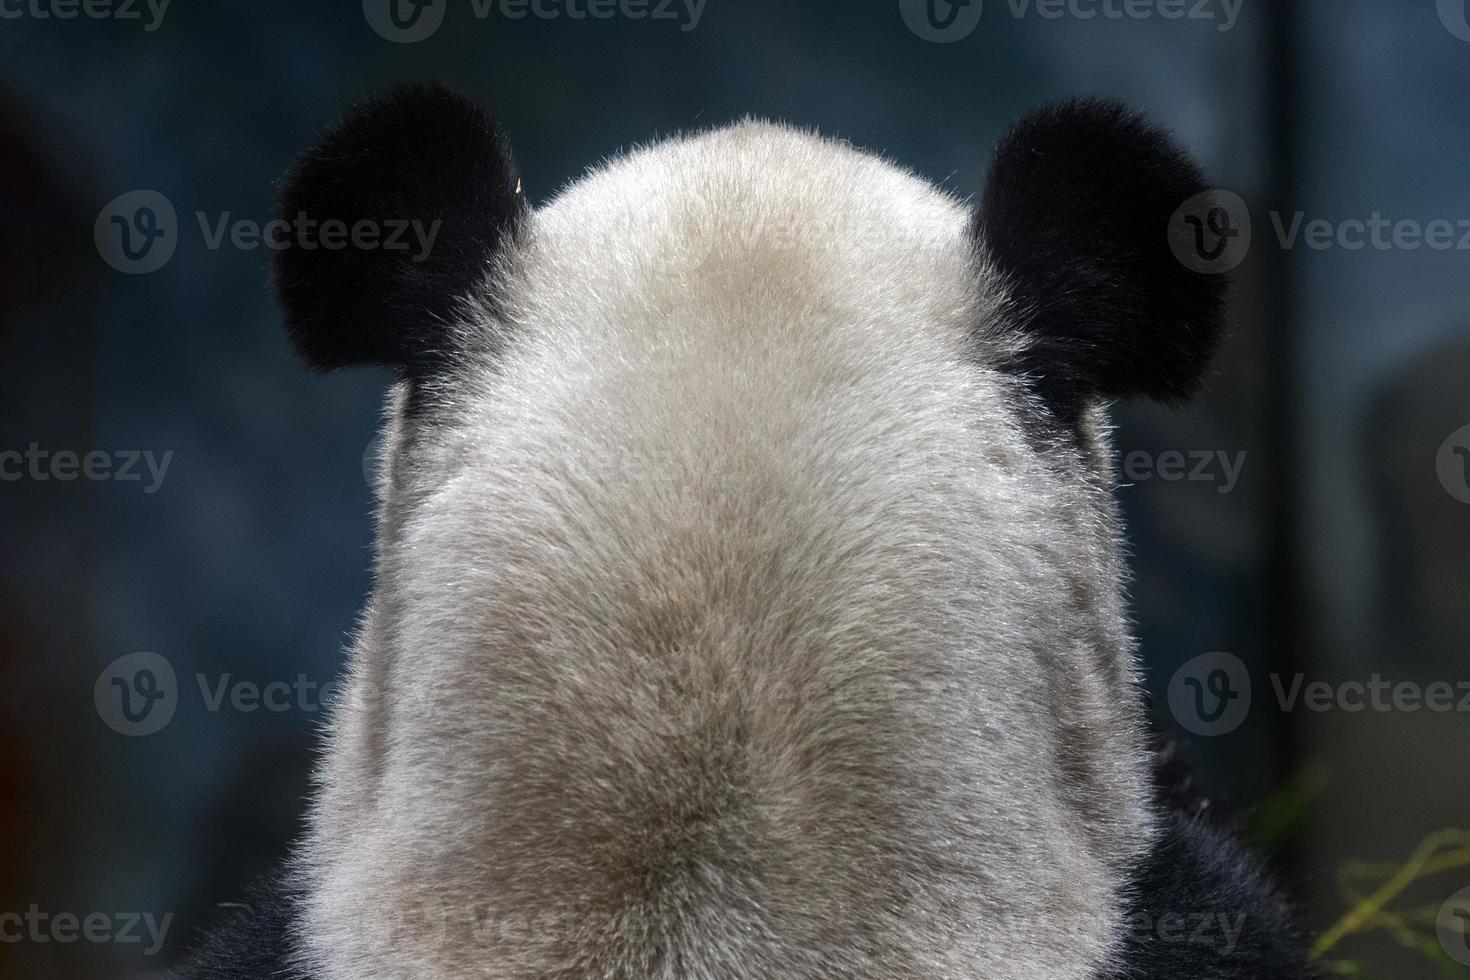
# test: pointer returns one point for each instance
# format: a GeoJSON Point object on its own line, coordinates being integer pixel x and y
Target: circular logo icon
{"type": "Point", "coordinates": [137, 232]}
{"type": "Point", "coordinates": [137, 694]}
{"type": "Point", "coordinates": [1453, 927]}
{"type": "Point", "coordinates": [1211, 694]}
{"type": "Point", "coordinates": [1455, 15]}
{"type": "Point", "coordinates": [1211, 232]}
{"type": "Point", "coordinates": [1452, 463]}
{"type": "Point", "coordinates": [404, 21]}
{"type": "Point", "coordinates": [942, 21]}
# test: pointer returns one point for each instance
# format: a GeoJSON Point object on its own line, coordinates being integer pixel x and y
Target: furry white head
{"type": "Point", "coordinates": [748, 601]}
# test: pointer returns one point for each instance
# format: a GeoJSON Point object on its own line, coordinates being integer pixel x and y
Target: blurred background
{"type": "Point", "coordinates": [185, 518]}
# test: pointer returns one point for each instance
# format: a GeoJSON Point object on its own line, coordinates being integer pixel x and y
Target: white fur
{"type": "Point", "coordinates": [727, 623]}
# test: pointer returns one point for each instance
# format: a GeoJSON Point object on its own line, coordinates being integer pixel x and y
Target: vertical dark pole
{"type": "Point", "coordinates": [1288, 637]}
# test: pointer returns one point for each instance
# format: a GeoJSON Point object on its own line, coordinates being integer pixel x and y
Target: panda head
{"type": "Point", "coordinates": [748, 597]}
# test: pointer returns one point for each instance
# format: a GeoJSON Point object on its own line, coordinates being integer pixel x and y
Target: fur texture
{"type": "Point", "coordinates": [1203, 909]}
{"type": "Point", "coordinates": [727, 624]}
{"type": "Point", "coordinates": [1199, 908]}
{"type": "Point", "coordinates": [430, 182]}
{"type": "Point", "coordinates": [1076, 216]}
{"type": "Point", "coordinates": [253, 940]}
{"type": "Point", "coordinates": [730, 621]}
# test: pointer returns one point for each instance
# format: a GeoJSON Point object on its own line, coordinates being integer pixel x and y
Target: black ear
{"type": "Point", "coordinates": [392, 220]}
{"type": "Point", "coordinates": [1076, 215]}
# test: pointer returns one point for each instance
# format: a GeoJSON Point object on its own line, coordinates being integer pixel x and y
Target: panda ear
{"type": "Point", "coordinates": [421, 192]}
{"type": "Point", "coordinates": [1076, 216]}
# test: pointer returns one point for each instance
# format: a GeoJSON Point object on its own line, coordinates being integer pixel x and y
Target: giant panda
{"type": "Point", "coordinates": [748, 596]}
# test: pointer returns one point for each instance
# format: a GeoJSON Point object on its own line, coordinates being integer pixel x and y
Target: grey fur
{"type": "Point", "coordinates": [727, 623]}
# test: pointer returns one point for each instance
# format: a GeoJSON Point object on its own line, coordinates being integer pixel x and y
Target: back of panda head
{"type": "Point", "coordinates": [1075, 217]}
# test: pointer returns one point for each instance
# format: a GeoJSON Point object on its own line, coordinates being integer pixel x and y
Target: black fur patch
{"type": "Point", "coordinates": [394, 166]}
{"type": "Point", "coordinates": [253, 942]}
{"type": "Point", "coordinates": [1076, 215]}
{"type": "Point", "coordinates": [1202, 910]}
